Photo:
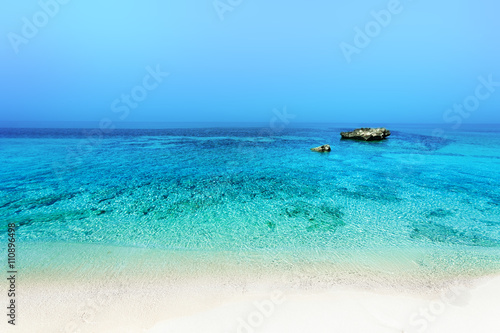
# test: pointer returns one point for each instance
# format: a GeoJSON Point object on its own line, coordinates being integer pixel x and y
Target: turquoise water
{"type": "Point", "coordinates": [248, 189]}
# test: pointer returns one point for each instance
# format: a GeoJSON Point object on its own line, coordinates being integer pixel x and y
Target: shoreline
{"type": "Point", "coordinates": [94, 288]}
{"type": "Point", "coordinates": [73, 261]}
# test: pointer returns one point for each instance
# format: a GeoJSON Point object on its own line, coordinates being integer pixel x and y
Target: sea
{"type": "Point", "coordinates": [423, 200]}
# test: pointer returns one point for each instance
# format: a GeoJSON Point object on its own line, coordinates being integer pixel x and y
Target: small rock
{"type": "Point", "coordinates": [322, 149]}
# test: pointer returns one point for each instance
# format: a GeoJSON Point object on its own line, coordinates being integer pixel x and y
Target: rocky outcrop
{"type": "Point", "coordinates": [322, 149]}
{"type": "Point", "coordinates": [367, 134]}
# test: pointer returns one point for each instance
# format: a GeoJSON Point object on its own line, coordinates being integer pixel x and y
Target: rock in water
{"type": "Point", "coordinates": [367, 134]}
{"type": "Point", "coordinates": [322, 149]}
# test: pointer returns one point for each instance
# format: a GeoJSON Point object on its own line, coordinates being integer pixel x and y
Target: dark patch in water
{"type": "Point", "coordinates": [488, 223]}
{"type": "Point", "coordinates": [50, 217]}
{"type": "Point", "coordinates": [185, 206]}
{"type": "Point", "coordinates": [271, 225]}
{"type": "Point", "coordinates": [148, 210]}
{"type": "Point", "coordinates": [429, 142]}
{"type": "Point", "coordinates": [493, 196]}
{"type": "Point", "coordinates": [49, 200]}
{"type": "Point", "coordinates": [12, 202]}
{"type": "Point", "coordinates": [187, 195]}
{"type": "Point", "coordinates": [441, 213]}
{"type": "Point", "coordinates": [109, 195]}
{"type": "Point", "coordinates": [297, 211]}
{"type": "Point", "coordinates": [371, 193]}
{"type": "Point", "coordinates": [444, 234]}
{"type": "Point", "coordinates": [322, 218]}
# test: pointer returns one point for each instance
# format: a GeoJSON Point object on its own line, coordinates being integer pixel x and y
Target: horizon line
{"type": "Point", "coordinates": [5, 122]}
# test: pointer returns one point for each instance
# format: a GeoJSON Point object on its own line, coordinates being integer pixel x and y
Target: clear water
{"type": "Point", "coordinates": [243, 190]}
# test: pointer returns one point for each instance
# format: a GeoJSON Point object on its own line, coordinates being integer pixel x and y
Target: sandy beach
{"type": "Point", "coordinates": [143, 307]}
{"type": "Point", "coordinates": [348, 310]}
{"type": "Point", "coordinates": [141, 290]}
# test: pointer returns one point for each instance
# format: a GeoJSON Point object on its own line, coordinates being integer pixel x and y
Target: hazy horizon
{"type": "Point", "coordinates": [368, 61]}
{"type": "Point", "coordinates": [214, 124]}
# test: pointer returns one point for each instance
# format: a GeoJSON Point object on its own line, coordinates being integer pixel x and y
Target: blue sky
{"type": "Point", "coordinates": [236, 61]}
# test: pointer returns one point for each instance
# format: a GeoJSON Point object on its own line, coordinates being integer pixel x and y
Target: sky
{"type": "Point", "coordinates": [242, 60]}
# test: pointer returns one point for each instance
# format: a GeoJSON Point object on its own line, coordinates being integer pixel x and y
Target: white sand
{"type": "Point", "coordinates": [90, 289]}
{"type": "Point", "coordinates": [117, 308]}
{"type": "Point", "coordinates": [462, 310]}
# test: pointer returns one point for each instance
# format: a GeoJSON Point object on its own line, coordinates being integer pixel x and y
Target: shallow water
{"type": "Point", "coordinates": [243, 190]}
